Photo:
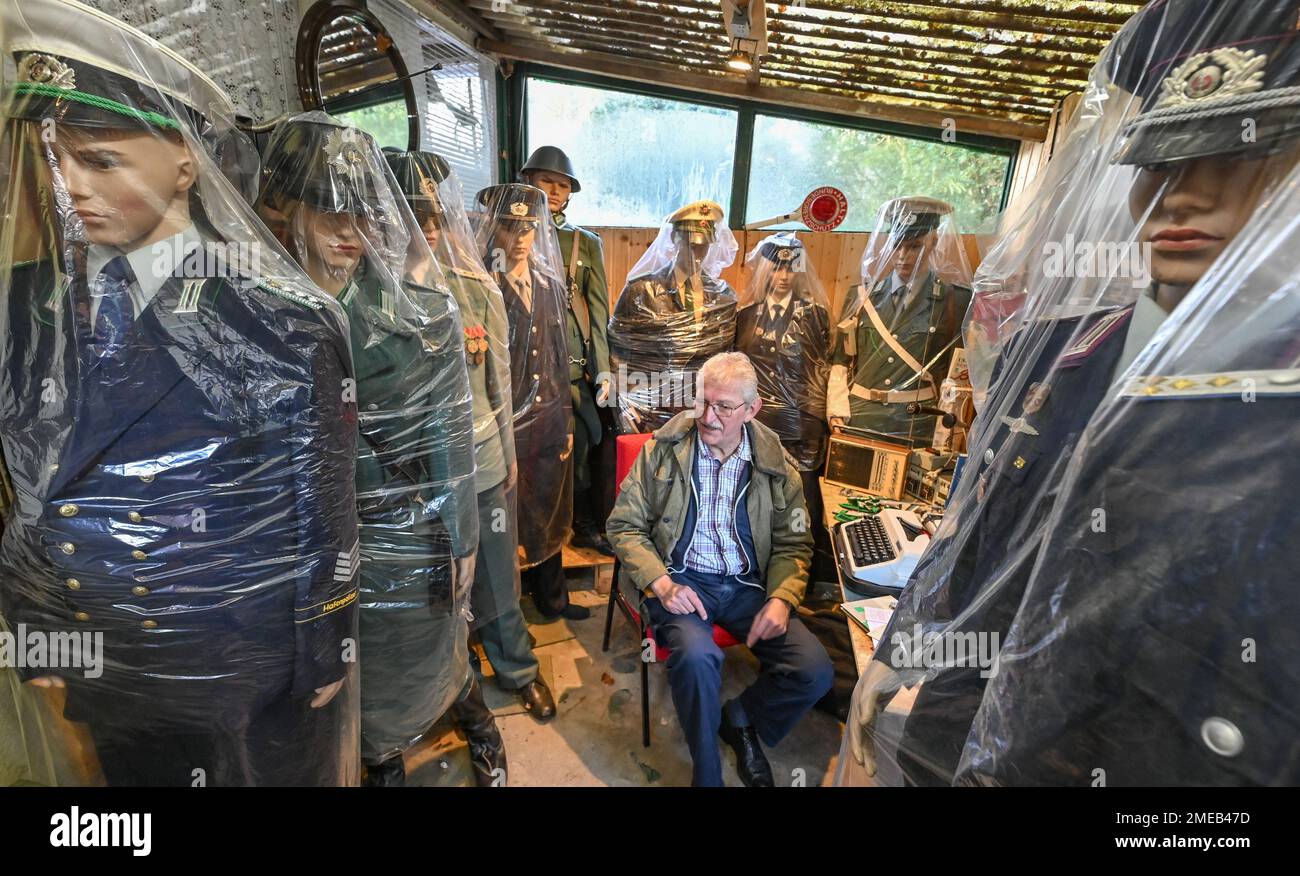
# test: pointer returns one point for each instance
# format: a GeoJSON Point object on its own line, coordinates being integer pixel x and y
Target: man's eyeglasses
{"type": "Point", "coordinates": [722, 409]}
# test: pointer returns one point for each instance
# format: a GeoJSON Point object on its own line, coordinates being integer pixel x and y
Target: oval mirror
{"type": "Point", "coordinates": [349, 66]}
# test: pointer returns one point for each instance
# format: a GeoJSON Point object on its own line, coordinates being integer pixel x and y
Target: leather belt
{"type": "Point", "coordinates": [892, 396]}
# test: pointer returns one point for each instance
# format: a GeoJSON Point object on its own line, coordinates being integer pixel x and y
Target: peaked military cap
{"type": "Point", "coordinates": [698, 221]}
{"type": "Point", "coordinates": [513, 202]}
{"type": "Point", "coordinates": [323, 164]}
{"type": "Point", "coordinates": [913, 217]}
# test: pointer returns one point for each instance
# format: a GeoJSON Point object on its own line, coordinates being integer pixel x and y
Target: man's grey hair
{"type": "Point", "coordinates": [731, 369]}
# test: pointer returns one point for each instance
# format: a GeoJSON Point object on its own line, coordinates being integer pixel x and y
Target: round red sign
{"type": "Point", "coordinates": [824, 209]}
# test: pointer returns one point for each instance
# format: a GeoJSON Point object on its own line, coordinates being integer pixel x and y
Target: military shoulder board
{"type": "Point", "coordinates": [473, 275]}
{"type": "Point", "coordinates": [1092, 339]}
{"type": "Point", "coordinates": [299, 297]}
{"type": "Point", "coordinates": [936, 290]}
{"type": "Point", "coordinates": [1222, 385]}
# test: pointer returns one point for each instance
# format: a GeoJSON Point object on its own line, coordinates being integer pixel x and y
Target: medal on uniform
{"type": "Point", "coordinates": [475, 344]}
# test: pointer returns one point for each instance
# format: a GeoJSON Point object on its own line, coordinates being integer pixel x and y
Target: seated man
{"type": "Point", "coordinates": [696, 562]}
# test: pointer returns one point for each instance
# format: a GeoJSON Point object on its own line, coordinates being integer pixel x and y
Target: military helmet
{"type": "Point", "coordinates": [550, 158]}
{"type": "Point", "coordinates": [323, 165]}
{"type": "Point", "coordinates": [910, 218]}
{"type": "Point", "coordinates": [697, 222]}
{"type": "Point", "coordinates": [1207, 72]}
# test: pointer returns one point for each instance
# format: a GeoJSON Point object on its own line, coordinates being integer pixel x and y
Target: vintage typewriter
{"type": "Point", "coordinates": [877, 553]}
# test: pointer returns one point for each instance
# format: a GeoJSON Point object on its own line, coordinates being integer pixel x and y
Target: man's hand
{"type": "Point", "coordinates": [770, 622]}
{"type": "Point", "coordinates": [602, 394]}
{"type": "Point", "coordinates": [325, 694]}
{"type": "Point", "coordinates": [678, 598]}
{"type": "Point", "coordinates": [877, 685]}
{"type": "Point", "coordinates": [837, 423]}
{"type": "Point", "coordinates": [46, 681]}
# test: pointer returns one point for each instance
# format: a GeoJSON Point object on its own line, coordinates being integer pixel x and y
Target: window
{"type": "Point", "coordinates": [457, 100]}
{"type": "Point", "coordinates": [638, 157]}
{"type": "Point", "coordinates": [791, 157]}
{"type": "Point", "coordinates": [641, 152]}
{"type": "Point", "coordinates": [386, 122]}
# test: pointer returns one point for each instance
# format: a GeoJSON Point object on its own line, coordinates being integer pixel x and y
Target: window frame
{"type": "Point", "coordinates": [513, 111]}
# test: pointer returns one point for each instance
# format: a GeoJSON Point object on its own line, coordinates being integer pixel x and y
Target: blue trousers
{"type": "Point", "coordinates": [795, 671]}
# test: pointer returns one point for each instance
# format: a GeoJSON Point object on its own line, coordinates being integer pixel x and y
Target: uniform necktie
{"type": "Point", "coordinates": [116, 310]}
{"type": "Point", "coordinates": [776, 314]}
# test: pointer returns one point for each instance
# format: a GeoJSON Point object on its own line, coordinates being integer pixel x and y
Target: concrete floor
{"type": "Point", "coordinates": [595, 737]}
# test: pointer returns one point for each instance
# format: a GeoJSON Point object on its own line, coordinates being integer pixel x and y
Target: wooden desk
{"type": "Point", "coordinates": [832, 496]}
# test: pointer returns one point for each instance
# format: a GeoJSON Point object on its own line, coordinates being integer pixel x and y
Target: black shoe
{"type": "Point", "coordinates": [751, 763]}
{"type": "Point", "coordinates": [593, 539]}
{"type": "Point", "coordinates": [389, 774]}
{"type": "Point", "coordinates": [487, 750]}
{"type": "Point", "coordinates": [575, 612]}
{"type": "Point", "coordinates": [538, 701]}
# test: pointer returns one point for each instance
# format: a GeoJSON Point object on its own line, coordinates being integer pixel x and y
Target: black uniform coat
{"type": "Point", "coordinates": [539, 381]}
{"type": "Point", "coordinates": [791, 359]}
{"type": "Point", "coordinates": [191, 499]}
{"type": "Point", "coordinates": [973, 582]}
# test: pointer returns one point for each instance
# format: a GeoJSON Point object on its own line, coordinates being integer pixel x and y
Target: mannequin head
{"type": "Point", "coordinates": [781, 282]}
{"type": "Point", "coordinates": [691, 250]}
{"type": "Point", "coordinates": [130, 187]}
{"type": "Point", "coordinates": [1196, 209]}
{"type": "Point", "coordinates": [912, 255]}
{"type": "Point", "coordinates": [514, 240]}
{"type": "Point", "coordinates": [328, 245]}
{"type": "Point", "coordinates": [558, 188]}
{"type": "Point", "coordinates": [431, 226]}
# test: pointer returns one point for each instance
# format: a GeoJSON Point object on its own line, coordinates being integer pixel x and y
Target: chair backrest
{"type": "Point", "coordinates": [626, 449]}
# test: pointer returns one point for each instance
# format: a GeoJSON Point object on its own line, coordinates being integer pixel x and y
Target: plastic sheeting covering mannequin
{"type": "Point", "coordinates": [1158, 160]}
{"type": "Point", "coordinates": [175, 427]}
{"type": "Point", "coordinates": [896, 332]}
{"type": "Point", "coordinates": [674, 313]}
{"type": "Point", "coordinates": [326, 193]}
{"type": "Point", "coordinates": [519, 248]}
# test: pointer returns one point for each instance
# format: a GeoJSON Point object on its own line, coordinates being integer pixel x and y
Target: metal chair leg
{"type": "Point", "coordinates": [609, 612]}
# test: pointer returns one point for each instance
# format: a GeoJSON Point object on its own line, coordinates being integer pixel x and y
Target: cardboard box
{"type": "Point", "coordinates": [874, 467]}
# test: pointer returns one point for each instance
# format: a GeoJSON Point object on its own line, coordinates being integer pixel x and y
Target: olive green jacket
{"type": "Point", "coordinates": [590, 277]}
{"type": "Point", "coordinates": [650, 514]}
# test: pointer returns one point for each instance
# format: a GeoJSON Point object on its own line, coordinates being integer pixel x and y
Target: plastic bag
{"type": "Point", "coordinates": [673, 314]}
{"type": "Point", "coordinates": [175, 426]}
{"type": "Point", "coordinates": [895, 333]}
{"type": "Point", "coordinates": [1119, 246]}
{"type": "Point", "coordinates": [783, 327]}
{"type": "Point", "coordinates": [519, 247]}
{"type": "Point", "coordinates": [331, 198]}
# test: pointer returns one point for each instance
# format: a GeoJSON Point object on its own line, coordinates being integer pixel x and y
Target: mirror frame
{"type": "Point", "coordinates": [307, 58]}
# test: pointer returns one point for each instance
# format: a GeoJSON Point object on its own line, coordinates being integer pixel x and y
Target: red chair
{"type": "Point", "coordinates": [627, 449]}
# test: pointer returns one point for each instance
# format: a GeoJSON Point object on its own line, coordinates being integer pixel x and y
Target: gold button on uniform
{"type": "Point", "coordinates": [140, 591]}
{"type": "Point", "coordinates": [149, 624]}
{"type": "Point", "coordinates": [68, 548]}
{"type": "Point", "coordinates": [73, 584]}
{"type": "Point", "coordinates": [82, 616]}
{"type": "Point", "coordinates": [134, 517]}
{"type": "Point", "coordinates": [139, 555]}
{"type": "Point", "coordinates": [148, 479]}
{"type": "Point", "coordinates": [69, 510]}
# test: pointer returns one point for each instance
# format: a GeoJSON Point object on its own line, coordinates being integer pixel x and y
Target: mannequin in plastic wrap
{"type": "Point", "coordinates": [435, 197]}
{"type": "Point", "coordinates": [916, 288]}
{"type": "Point", "coordinates": [675, 312]}
{"type": "Point", "coordinates": [783, 327]}
{"type": "Point", "coordinates": [519, 248]}
{"type": "Point", "coordinates": [1148, 182]}
{"type": "Point", "coordinates": [1156, 642]}
{"type": "Point", "coordinates": [326, 194]}
{"type": "Point", "coordinates": [590, 382]}
{"type": "Point", "coordinates": [175, 424]}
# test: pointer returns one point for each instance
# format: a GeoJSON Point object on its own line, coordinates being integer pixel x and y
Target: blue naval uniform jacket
{"type": "Point", "coordinates": [965, 582]}
{"type": "Point", "coordinates": [1151, 679]}
{"type": "Point", "coordinates": [191, 499]}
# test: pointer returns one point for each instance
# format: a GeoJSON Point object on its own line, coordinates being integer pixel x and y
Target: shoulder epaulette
{"type": "Point", "coordinates": [306, 300]}
{"type": "Point", "coordinates": [473, 275]}
{"type": "Point", "coordinates": [1224, 384]}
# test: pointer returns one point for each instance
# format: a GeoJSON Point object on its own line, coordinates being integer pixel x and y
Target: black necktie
{"type": "Point", "coordinates": [116, 310]}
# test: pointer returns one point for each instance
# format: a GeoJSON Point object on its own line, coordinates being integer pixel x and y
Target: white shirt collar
{"type": "Point", "coordinates": [152, 264]}
{"type": "Point", "coordinates": [783, 303]}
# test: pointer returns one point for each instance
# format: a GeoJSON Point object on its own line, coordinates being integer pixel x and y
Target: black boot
{"type": "Point", "coordinates": [487, 750]}
{"type": "Point", "coordinates": [388, 774]}
{"type": "Point", "coordinates": [586, 531]}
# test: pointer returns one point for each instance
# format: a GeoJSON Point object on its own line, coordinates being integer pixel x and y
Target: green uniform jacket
{"type": "Point", "coordinates": [650, 513]}
{"type": "Point", "coordinates": [924, 327]}
{"type": "Point", "coordinates": [590, 279]}
{"type": "Point", "coordinates": [481, 306]}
